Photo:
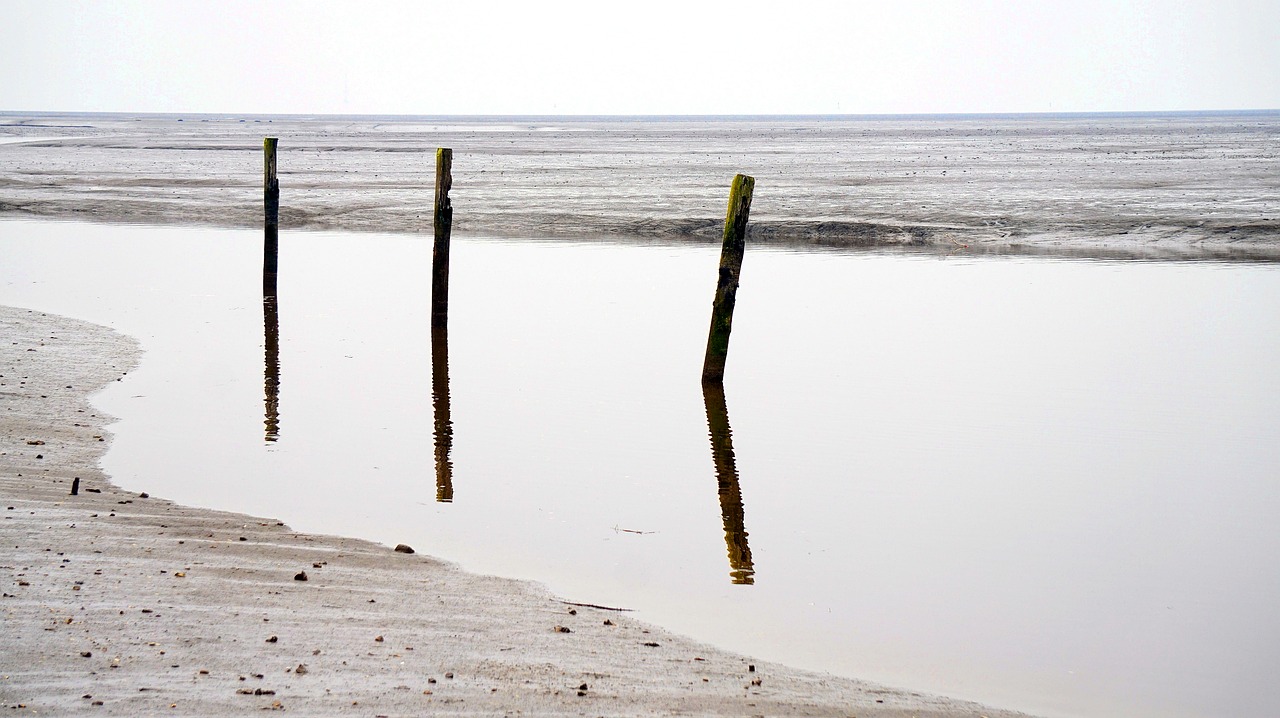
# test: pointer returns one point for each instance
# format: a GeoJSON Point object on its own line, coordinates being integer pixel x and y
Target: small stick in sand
{"type": "Point", "coordinates": [592, 605]}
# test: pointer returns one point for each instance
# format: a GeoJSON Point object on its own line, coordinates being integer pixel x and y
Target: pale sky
{"type": "Point", "coordinates": [689, 57]}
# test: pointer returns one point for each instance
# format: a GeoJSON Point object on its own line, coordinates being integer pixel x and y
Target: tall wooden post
{"type": "Point", "coordinates": [270, 185]}
{"type": "Point", "coordinates": [271, 216]}
{"type": "Point", "coordinates": [443, 225]}
{"type": "Point", "coordinates": [735, 237]}
{"type": "Point", "coordinates": [270, 309]}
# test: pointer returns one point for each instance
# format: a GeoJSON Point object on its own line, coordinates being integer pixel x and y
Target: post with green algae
{"type": "Point", "coordinates": [271, 219]}
{"type": "Point", "coordinates": [270, 185]}
{"type": "Point", "coordinates": [443, 224]}
{"type": "Point", "coordinates": [735, 239]}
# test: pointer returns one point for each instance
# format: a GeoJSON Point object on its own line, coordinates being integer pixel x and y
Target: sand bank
{"type": "Point", "coordinates": [120, 603]}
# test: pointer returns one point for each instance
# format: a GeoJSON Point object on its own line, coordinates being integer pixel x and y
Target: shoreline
{"type": "Point", "coordinates": [1232, 244]}
{"type": "Point", "coordinates": [120, 603]}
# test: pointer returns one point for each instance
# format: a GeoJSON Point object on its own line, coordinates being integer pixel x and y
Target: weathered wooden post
{"type": "Point", "coordinates": [735, 236]}
{"type": "Point", "coordinates": [270, 309]}
{"type": "Point", "coordinates": [440, 405]}
{"type": "Point", "coordinates": [270, 185]}
{"type": "Point", "coordinates": [741, 569]}
{"type": "Point", "coordinates": [271, 215]}
{"type": "Point", "coordinates": [443, 224]}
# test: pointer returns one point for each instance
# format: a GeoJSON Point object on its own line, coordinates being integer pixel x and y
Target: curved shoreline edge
{"type": "Point", "coordinates": [118, 603]}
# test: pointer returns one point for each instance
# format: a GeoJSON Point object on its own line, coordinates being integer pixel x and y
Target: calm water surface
{"type": "Point", "coordinates": [1049, 485]}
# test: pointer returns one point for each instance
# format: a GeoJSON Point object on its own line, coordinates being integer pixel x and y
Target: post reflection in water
{"type": "Point", "coordinates": [271, 330]}
{"type": "Point", "coordinates": [741, 570]}
{"type": "Point", "coordinates": [440, 404]}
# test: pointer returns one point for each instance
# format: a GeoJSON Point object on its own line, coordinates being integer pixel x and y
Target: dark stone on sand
{"type": "Point", "coordinates": [300, 576]}
{"type": "Point", "coordinates": [403, 548]}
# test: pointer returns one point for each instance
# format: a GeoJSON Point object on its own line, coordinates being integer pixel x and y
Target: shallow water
{"type": "Point", "coordinates": [1048, 485]}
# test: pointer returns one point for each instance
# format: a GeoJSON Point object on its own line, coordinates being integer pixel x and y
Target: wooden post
{"type": "Point", "coordinates": [440, 405]}
{"type": "Point", "coordinates": [270, 309]}
{"type": "Point", "coordinates": [75, 486]}
{"type": "Point", "coordinates": [271, 216]}
{"type": "Point", "coordinates": [270, 185]}
{"type": "Point", "coordinates": [741, 569]}
{"type": "Point", "coordinates": [735, 236]}
{"type": "Point", "coordinates": [443, 225]}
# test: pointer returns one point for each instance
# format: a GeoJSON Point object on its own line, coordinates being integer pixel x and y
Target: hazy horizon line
{"type": "Point", "coordinates": [633, 116]}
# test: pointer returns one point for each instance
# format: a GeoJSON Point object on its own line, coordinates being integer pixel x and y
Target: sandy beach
{"type": "Point", "coordinates": [120, 603]}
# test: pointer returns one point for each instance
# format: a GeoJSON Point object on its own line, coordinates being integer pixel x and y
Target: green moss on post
{"type": "Point", "coordinates": [731, 253]}
{"type": "Point", "coordinates": [270, 185]}
{"type": "Point", "coordinates": [443, 225]}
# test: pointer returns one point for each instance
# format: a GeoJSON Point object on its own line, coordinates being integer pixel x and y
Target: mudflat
{"type": "Point", "coordinates": [116, 602]}
{"type": "Point", "coordinates": [1169, 186]}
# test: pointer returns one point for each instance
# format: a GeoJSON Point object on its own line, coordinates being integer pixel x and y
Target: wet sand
{"type": "Point", "coordinates": [120, 603]}
{"type": "Point", "coordinates": [1190, 186]}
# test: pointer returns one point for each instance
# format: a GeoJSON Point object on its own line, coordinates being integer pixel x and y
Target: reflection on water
{"type": "Point", "coordinates": [1045, 451]}
{"type": "Point", "coordinates": [270, 257]}
{"type": "Point", "coordinates": [271, 330]}
{"type": "Point", "coordinates": [271, 381]}
{"type": "Point", "coordinates": [741, 570]}
{"type": "Point", "coordinates": [440, 406]}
